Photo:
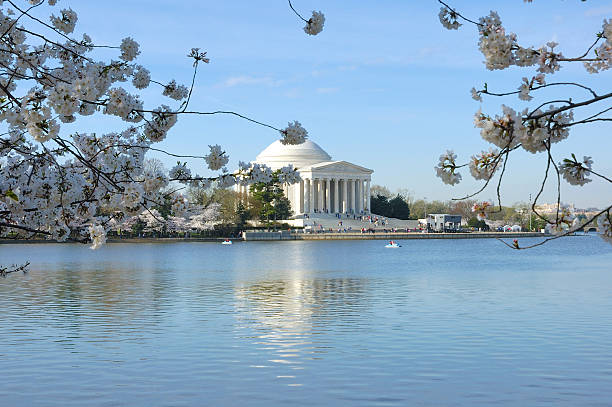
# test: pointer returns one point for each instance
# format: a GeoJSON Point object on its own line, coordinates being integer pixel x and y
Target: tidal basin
{"type": "Point", "coordinates": [337, 323]}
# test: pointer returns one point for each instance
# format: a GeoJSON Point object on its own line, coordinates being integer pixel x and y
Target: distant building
{"type": "Point", "coordinates": [552, 208]}
{"type": "Point", "coordinates": [442, 222]}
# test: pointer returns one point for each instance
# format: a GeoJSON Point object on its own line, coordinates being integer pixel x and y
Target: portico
{"type": "Point", "coordinates": [331, 187]}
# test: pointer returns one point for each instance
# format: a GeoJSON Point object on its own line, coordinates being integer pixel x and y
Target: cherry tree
{"type": "Point", "coordinates": [76, 186]}
{"type": "Point", "coordinates": [536, 129]}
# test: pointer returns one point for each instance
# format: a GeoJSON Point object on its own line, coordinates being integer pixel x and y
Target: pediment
{"type": "Point", "coordinates": [339, 166]}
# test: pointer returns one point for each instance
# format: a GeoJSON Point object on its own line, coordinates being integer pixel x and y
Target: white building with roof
{"type": "Point", "coordinates": [327, 186]}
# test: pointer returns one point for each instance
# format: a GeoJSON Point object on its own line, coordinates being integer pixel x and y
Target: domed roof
{"type": "Point", "coordinates": [278, 155]}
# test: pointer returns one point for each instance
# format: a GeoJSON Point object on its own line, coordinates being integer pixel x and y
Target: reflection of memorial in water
{"type": "Point", "coordinates": [288, 318]}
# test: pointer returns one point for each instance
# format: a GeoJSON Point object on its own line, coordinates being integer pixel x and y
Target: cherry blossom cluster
{"type": "Point", "coordinates": [565, 220]}
{"type": "Point", "coordinates": [196, 218]}
{"type": "Point", "coordinates": [448, 18]}
{"type": "Point", "coordinates": [294, 133]}
{"type": "Point", "coordinates": [604, 222]}
{"type": "Point", "coordinates": [217, 158]}
{"type": "Point", "coordinates": [446, 168]}
{"type": "Point", "coordinates": [483, 165]}
{"type": "Point", "coordinates": [249, 173]}
{"type": "Point", "coordinates": [576, 172]}
{"type": "Point", "coordinates": [603, 53]}
{"type": "Point", "coordinates": [536, 135]}
{"type": "Point", "coordinates": [97, 234]}
{"type": "Point", "coordinates": [180, 172]}
{"type": "Point", "coordinates": [499, 130]}
{"type": "Point", "coordinates": [533, 130]}
{"type": "Point", "coordinates": [314, 25]}
{"type": "Point", "coordinates": [480, 209]}
{"type": "Point", "coordinates": [527, 85]}
{"type": "Point", "coordinates": [76, 186]}
{"type": "Point", "coordinates": [288, 175]}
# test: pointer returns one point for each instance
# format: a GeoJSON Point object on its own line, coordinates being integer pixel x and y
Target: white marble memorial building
{"type": "Point", "coordinates": [327, 186]}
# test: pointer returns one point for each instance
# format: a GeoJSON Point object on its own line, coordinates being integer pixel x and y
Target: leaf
{"type": "Point", "coordinates": [12, 195]}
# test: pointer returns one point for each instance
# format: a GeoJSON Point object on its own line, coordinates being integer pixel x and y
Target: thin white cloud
{"type": "Point", "coordinates": [598, 11]}
{"type": "Point", "coordinates": [293, 93]}
{"type": "Point", "coordinates": [250, 80]}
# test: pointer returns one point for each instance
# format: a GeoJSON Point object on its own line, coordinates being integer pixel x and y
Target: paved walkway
{"type": "Point", "coordinates": [330, 221]}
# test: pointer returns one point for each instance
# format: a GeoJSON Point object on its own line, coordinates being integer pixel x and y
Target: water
{"type": "Point", "coordinates": [343, 323]}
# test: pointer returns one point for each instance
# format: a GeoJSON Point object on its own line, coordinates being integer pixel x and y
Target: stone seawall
{"type": "Point", "coordinates": [256, 236]}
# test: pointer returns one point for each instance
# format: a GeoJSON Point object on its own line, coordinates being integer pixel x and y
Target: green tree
{"type": "Point", "coordinates": [269, 196]}
{"type": "Point", "coordinates": [242, 215]}
{"type": "Point", "coordinates": [479, 224]}
{"type": "Point", "coordinates": [537, 223]}
{"type": "Point", "coordinates": [380, 205]}
{"type": "Point", "coordinates": [399, 208]}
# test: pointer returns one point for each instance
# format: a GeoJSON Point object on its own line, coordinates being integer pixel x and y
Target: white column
{"type": "Point", "coordinates": [320, 195]}
{"type": "Point", "coordinates": [344, 196]}
{"type": "Point", "coordinates": [301, 192]}
{"type": "Point", "coordinates": [336, 209]}
{"type": "Point", "coordinates": [368, 197]}
{"type": "Point", "coordinates": [351, 203]}
{"type": "Point", "coordinates": [361, 195]}
{"type": "Point", "coordinates": [297, 201]}
{"type": "Point", "coordinates": [307, 196]}
{"type": "Point", "coordinates": [356, 196]}
{"type": "Point", "coordinates": [327, 194]}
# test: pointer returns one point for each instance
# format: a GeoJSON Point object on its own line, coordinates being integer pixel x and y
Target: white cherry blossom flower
{"type": "Point", "coordinates": [604, 222]}
{"type": "Point", "coordinates": [315, 24]}
{"type": "Point", "coordinates": [524, 89]}
{"type": "Point", "coordinates": [480, 208]}
{"type": "Point", "coordinates": [446, 168]}
{"type": "Point", "coordinates": [484, 165]}
{"type": "Point", "coordinates": [294, 133]}
{"type": "Point", "coordinates": [217, 158]}
{"type": "Point", "coordinates": [175, 91]}
{"type": "Point", "coordinates": [129, 49]}
{"type": "Point", "coordinates": [499, 131]}
{"type": "Point", "coordinates": [141, 78]}
{"type": "Point", "coordinates": [97, 234]}
{"type": "Point", "coordinates": [448, 18]}
{"type": "Point", "coordinates": [180, 172]}
{"type": "Point", "coordinates": [288, 175]}
{"type": "Point", "coordinates": [66, 22]}
{"type": "Point", "coordinates": [575, 172]}
{"type": "Point", "coordinates": [476, 95]}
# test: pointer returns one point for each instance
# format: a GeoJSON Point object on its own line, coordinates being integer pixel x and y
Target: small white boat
{"type": "Point", "coordinates": [226, 242]}
{"type": "Point", "coordinates": [392, 245]}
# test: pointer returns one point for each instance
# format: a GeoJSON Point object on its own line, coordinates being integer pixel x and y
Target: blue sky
{"type": "Point", "coordinates": [384, 85]}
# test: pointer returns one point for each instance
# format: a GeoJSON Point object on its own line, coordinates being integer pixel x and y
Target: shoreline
{"type": "Point", "coordinates": [283, 235]}
{"type": "Point", "coordinates": [259, 236]}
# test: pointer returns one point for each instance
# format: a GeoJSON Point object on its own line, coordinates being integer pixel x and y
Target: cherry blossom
{"type": "Point", "coordinates": [483, 165]}
{"type": "Point", "coordinates": [315, 24]}
{"type": "Point", "coordinates": [448, 18]}
{"type": "Point", "coordinates": [604, 222]}
{"type": "Point", "coordinates": [294, 133]}
{"type": "Point", "coordinates": [446, 168]}
{"type": "Point", "coordinates": [68, 185]}
{"type": "Point", "coordinates": [576, 172]}
{"type": "Point", "coordinates": [480, 208]}
{"type": "Point", "coordinates": [217, 158]}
